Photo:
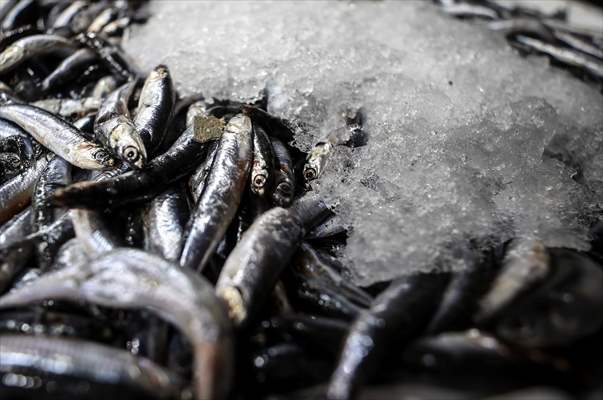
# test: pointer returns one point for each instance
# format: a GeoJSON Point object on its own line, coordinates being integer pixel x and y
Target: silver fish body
{"type": "Point", "coordinates": [263, 162]}
{"type": "Point", "coordinates": [31, 46]}
{"type": "Point", "coordinates": [16, 193]}
{"type": "Point", "coordinates": [57, 135]}
{"type": "Point", "coordinates": [222, 194]}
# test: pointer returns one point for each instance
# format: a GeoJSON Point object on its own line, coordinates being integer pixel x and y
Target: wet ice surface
{"type": "Point", "coordinates": [466, 138]}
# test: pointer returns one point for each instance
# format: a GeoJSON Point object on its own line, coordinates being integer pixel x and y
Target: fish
{"type": "Point", "coordinates": [272, 125]}
{"type": "Point", "coordinates": [135, 185]}
{"type": "Point", "coordinates": [263, 162]}
{"type": "Point", "coordinates": [69, 68]}
{"type": "Point", "coordinates": [69, 108]}
{"type": "Point", "coordinates": [31, 364]}
{"type": "Point", "coordinates": [25, 11]}
{"type": "Point", "coordinates": [164, 222]}
{"type": "Point", "coordinates": [155, 106]}
{"type": "Point", "coordinates": [133, 279]}
{"type": "Point", "coordinates": [57, 135]}
{"type": "Point", "coordinates": [16, 228]}
{"type": "Point", "coordinates": [16, 193]}
{"type": "Point", "coordinates": [110, 55]}
{"type": "Point", "coordinates": [95, 237]}
{"type": "Point", "coordinates": [32, 46]}
{"type": "Point", "coordinates": [102, 19]}
{"type": "Point", "coordinates": [198, 178]}
{"type": "Point", "coordinates": [396, 316]}
{"type": "Point", "coordinates": [221, 196]}
{"type": "Point", "coordinates": [104, 87]}
{"type": "Point", "coordinates": [63, 20]}
{"type": "Point", "coordinates": [115, 129]}
{"type": "Point", "coordinates": [255, 264]}
{"type": "Point", "coordinates": [284, 180]}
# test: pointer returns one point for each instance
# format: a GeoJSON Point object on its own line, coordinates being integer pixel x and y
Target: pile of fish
{"type": "Point", "coordinates": [580, 50]}
{"type": "Point", "coordinates": [155, 246]}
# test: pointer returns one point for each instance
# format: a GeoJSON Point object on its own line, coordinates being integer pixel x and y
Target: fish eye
{"type": "Point", "coordinates": [285, 188]}
{"type": "Point", "coordinates": [310, 174]}
{"type": "Point", "coordinates": [259, 181]}
{"type": "Point", "coordinates": [101, 155]}
{"type": "Point", "coordinates": [131, 154]}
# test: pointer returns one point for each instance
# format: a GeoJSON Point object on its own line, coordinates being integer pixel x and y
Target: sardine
{"type": "Point", "coordinates": [155, 107]}
{"type": "Point", "coordinates": [31, 46]}
{"type": "Point", "coordinates": [57, 135]}
{"type": "Point", "coordinates": [263, 162]}
{"type": "Point", "coordinates": [220, 199]}
{"type": "Point", "coordinates": [133, 279]}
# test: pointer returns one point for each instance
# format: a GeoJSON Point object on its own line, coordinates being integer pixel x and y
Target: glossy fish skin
{"type": "Point", "coordinates": [220, 199]}
{"type": "Point", "coordinates": [12, 261]}
{"type": "Point", "coordinates": [92, 232]}
{"type": "Point", "coordinates": [525, 263]}
{"type": "Point", "coordinates": [273, 126]}
{"type": "Point", "coordinates": [263, 162]}
{"type": "Point", "coordinates": [23, 12]}
{"type": "Point", "coordinates": [133, 279]}
{"type": "Point", "coordinates": [9, 37]}
{"type": "Point", "coordinates": [198, 179]}
{"type": "Point", "coordinates": [560, 309]}
{"type": "Point", "coordinates": [102, 19]}
{"type": "Point", "coordinates": [103, 368]}
{"type": "Point", "coordinates": [57, 135]}
{"type": "Point", "coordinates": [15, 194]}
{"type": "Point", "coordinates": [115, 129]}
{"type": "Point", "coordinates": [317, 161]}
{"type": "Point", "coordinates": [396, 316]}
{"type": "Point", "coordinates": [31, 46]}
{"type": "Point", "coordinates": [254, 265]}
{"type": "Point", "coordinates": [69, 108]}
{"type": "Point", "coordinates": [155, 107]}
{"type": "Point", "coordinates": [69, 68]}
{"type": "Point", "coordinates": [104, 87]}
{"type": "Point", "coordinates": [66, 16]}
{"type": "Point", "coordinates": [164, 221]}
{"type": "Point", "coordinates": [110, 55]}
{"type": "Point", "coordinates": [138, 185]}
{"type": "Point", "coordinates": [56, 174]}
{"type": "Point", "coordinates": [284, 180]}
{"type": "Point", "coordinates": [16, 228]}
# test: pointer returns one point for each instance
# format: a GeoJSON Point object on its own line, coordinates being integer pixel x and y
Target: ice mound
{"type": "Point", "coordinates": [467, 140]}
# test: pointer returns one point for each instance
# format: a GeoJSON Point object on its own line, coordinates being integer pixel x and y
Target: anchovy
{"type": "Point", "coordinates": [104, 87]}
{"type": "Point", "coordinates": [12, 261]}
{"type": "Point", "coordinates": [27, 362]}
{"type": "Point", "coordinates": [263, 162]}
{"type": "Point", "coordinates": [284, 180]}
{"type": "Point", "coordinates": [164, 222]}
{"type": "Point", "coordinates": [579, 44]}
{"type": "Point", "coordinates": [316, 162]}
{"type": "Point", "coordinates": [256, 262]}
{"type": "Point", "coordinates": [16, 193]}
{"type": "Point", "coordinates": [155, 107]}
{"type": "Point", "coordinates": [526, 263]}
{"type": "Point", "coordinates": [20, 14]}
{"type": "Point", "coordinates": [31, 46]}
{"type": "Point", "coordinates": [220, 199]}
{"type": "Point", "coordinates": [69, 69]}
{"type": "Point", "coordinates": [94, 236]}
{"type": "Point", "coordinates": [115, 129]}
{"type": "Point", "coordinates": [198, 178]}
{"type": "Point", "coordinates": [116, 27]}
{"type": "Point", "coordinates": [82, 20]}
{"type": "Point", "coordinates": [69, 108]}
{"type": "Point", "coordinates": [56, 174]}
{"type": "Point", "coordinates": [470, 10]}
{"type": "Point", "coordinates": [64, 19]}
{"type": "Point", "coordinates": [273, 126]}
{"type": "Point", "coordinates": [102, 19]}
{"type": "Point", "coordinates": [137, 185]}
{"type": "Point", "coordinates": [566, 56]}
{"type": "Point", "coordinates": [16, 228]}
{"type": "Point", "coordinates": [396, 316]}
{"type": "Point", "coordinates": [57, 135]}
{"type": "Point", "coordinates": [516, 26]}
{"type": "Point", "coordinates": [133, 279]}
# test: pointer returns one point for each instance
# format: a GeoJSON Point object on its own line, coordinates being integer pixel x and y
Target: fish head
{"type": "Point", "coordinates": [11, 56]}
{"type": "Point", "coordinates": [258, 181]}
{"type": "Point", "coordinates": [103, 157]}
{"type": "Point", "coordinates": [283, 194]}
{"type": "Point", "coordinates": [128, 145]}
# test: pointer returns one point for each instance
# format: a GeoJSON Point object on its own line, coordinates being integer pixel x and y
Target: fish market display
{"type": "Point", "coordinates": [157, 242]}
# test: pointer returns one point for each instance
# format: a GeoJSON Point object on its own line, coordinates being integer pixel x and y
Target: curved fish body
{"type": "Point", "coordinates": [15, 140]}
{"type": "Point", "coordinates": [263, 162]}
{"type": "Point", "coordinates": [69, 108]}
{"type": "Point", "coordinates": [12, 261]}
{"type": "Point", "coordinates": [316, 161]}
{"type": "Point", "coordinates": [66, 16]}
{"type": "Point", "coordinates": [164, 222]}
{"type": "Point", "coordinates": [93, 233]}
{"type": "Point", "coordinates": [102, 19]}
{"type": "Point", "coordinates": [57, 135]}
{"type": "Point", "coordinates": [111, 55]}
{"type": "Point", "coordinates": [560, 309]}
{"type": "Point", "coordinates": [31, 46]}
{"type": "Point", "coordinates": [284, 180]}
{"type": "Point", "coordinates": [133, 279]}
{"type": "Point", "coordinates": [83, 368]}
{"type": "Point", "coordinates": [24, 11]}
{"type": "Point", "coordinates": [137, 185]}
{"type": "Point", "coordinates": [155, 106]}
{"type": "Point", "coordinates": [105, 86]}
{"type": "Point", "coordinates": [56, 174]}
{"type": "Point", "coordinates": [220, 199]}
{"type": "Point", "coordinates": [16, 228]}
{"type": "Point", "coordinates": [69, 68]}
{"type": "Point", "coordinates": [255, 264]}
{"type": "Point", "coordinates": [396, 316]}
{"type": "Point", "coordinates": [273, 126]}
{"type": "Point", "coordinates": [198, 179]}
{"type": "Point", "coordinates": [16, 193]}
{"type": "Point", "coordinates": [114, 128]}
